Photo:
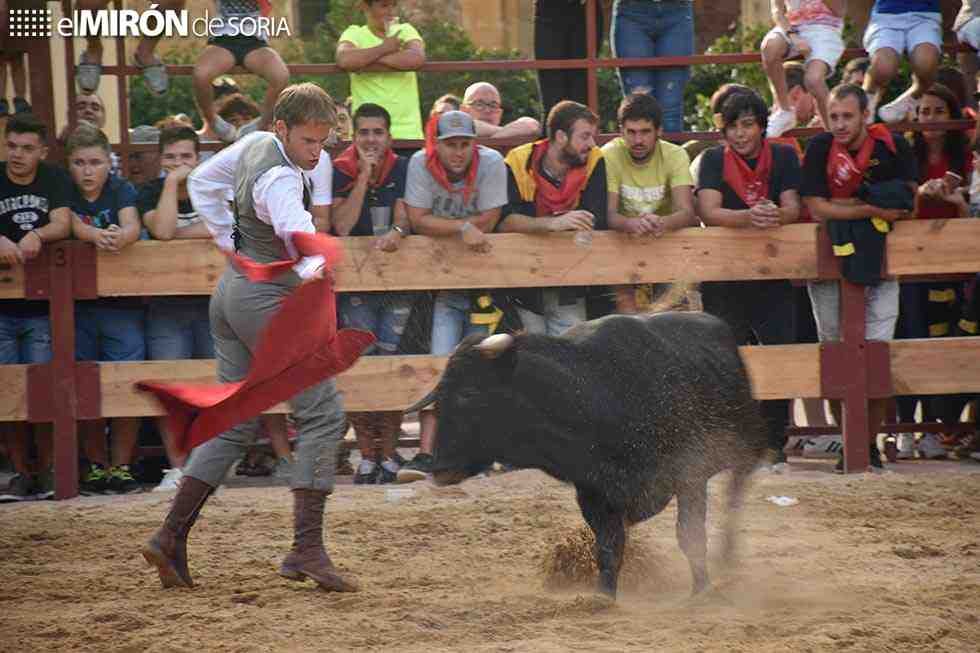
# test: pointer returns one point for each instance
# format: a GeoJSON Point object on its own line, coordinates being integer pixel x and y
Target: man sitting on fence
{"type": "Point", "coordinates": [455, 188]}
{"type": "Point", "coordinates": [33, 212]}
{"type": "Point", "coordinates": [482, 101]}
{"type": "Point", "coordinates": [369, 190]}
{"type": "Point", "coordinates": [556, 184]}
{"type": "Point", "coordinates": [751, 183]}
{"type": "Point", "coordinates": [650, 190]}
{"type": "Point", "coordinates": [841, 170]}
{"type": "Point", "coordinates": [110, 328]}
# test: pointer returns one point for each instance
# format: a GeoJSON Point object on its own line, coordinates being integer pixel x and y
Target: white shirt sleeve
{"type": "Point", "coordinates": [321, 177]}
{"type": "Point", "coordinates": [278, 196]}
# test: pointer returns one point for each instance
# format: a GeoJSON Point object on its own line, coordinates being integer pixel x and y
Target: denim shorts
{"type": "Point", "coordinates": [178, 329]}
{"type": "Point", "coordinates": [109, 333]}
{"type": "Point", "coordinates": [24, 340]}
{"type": "Point", "coordinates": [384, 314]}
{"type": "Point", "coordinates": [451, 321]}
{"type": "Point", "coordinates": [903, 32]}
{"type": "Point", "coordinates": [970, 33]}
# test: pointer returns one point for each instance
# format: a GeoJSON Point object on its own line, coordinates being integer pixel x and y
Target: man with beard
{"type": "Point", "coordinates": [556, 184]}
{"type": "Point", "coordinates": [650, 189]}
{"type": "Point", "coordinates": [455, 189]}
{"type": "Point", "coordinates": [751, 183]}
{"type": "Point", "coordinates": [836, 166]}
{"type": "Point", "coordinates": [369, 191]}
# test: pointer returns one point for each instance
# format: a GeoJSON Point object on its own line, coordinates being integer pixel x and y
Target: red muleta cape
{"type": "Point", "coordinates": [299, 348]}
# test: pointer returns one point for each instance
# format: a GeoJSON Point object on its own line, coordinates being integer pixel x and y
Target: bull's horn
{"type": "Point", "coordinates": [493, 346]}
{"type": "Point", "coordinates": [424, 401]}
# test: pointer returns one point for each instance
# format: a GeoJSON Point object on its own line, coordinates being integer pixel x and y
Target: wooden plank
{"type": "Point", "coordinates": [13, 393]}
{"type": "Point", "coordinates": [783, 371]}
{"type": "Point", "coordinates": [11, 281]}
{"type": "Point", "coordinates": [934, 246]}
{"type": "Point", "coordinates": [517, 260]}
{"type": "Point", "coordinates": [934, 366]}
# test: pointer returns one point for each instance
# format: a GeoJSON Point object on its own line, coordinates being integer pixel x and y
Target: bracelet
{"type": "Point", "coordinates": [399, 230]}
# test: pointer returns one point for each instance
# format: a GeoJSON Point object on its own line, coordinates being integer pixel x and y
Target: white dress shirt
{"type": "Point", "coordinates": [277, 194]}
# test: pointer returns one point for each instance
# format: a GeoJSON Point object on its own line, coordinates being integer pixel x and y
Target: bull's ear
{"type": "Point", "coordinates": [495, 345]}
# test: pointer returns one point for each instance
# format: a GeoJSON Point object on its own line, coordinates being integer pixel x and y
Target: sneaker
{"type": "Point", "coordinates": [21, 105]}
{"type": "Point", "coordinates": [899, 110]}
{"type": "Point", "coordinates": [367, 473]}
{"type": "Point", "coordinates": [416, 469]}
{"type": "Point", "coordinates": [121, 481]}
{"type": "Point", "coordinates": [823, 446]}
{"type": "Point", "coordinates": [44, 485]}
{"type": "Point", "coordinates": [906, 446]}
{"type": "Point", "coordinates": [95, 480]}
{"type": "Point", "coordinates": [170, 481]}
{"type": "Point", "coordinates": [929, 447]}
{"type": "Point", "coordinates": [226, 131]}
{"type": "Point", "coordinates": [21, 487]}
{"type": "Point", "coordinates": [389, 471]}
{"type": "Point", "coordinates": [780, 122]}
{"type": "Point", "coordinates": [875, 460]}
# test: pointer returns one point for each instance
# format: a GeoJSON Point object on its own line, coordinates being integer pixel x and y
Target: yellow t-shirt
{"type": "Point", "coordinates": [646, 188]}
{"type": "Point", "coordinates": [398, 92]}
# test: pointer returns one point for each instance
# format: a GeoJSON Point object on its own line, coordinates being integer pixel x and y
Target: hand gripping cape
{"type": "Point", "coordinates": [299, 347]}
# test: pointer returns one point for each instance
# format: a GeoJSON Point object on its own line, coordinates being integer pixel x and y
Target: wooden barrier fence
{"type": "Point", "coordinates": [854, 370]}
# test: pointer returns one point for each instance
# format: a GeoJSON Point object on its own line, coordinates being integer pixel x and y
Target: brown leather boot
{"type": "Point", "coordinates": [308, 558]}
{"type": "Point", "coordinates": [167, 549]}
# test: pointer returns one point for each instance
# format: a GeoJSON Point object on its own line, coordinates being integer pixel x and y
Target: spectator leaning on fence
{"type": "Point", "coordinates": [455, 189]}
{"type": "Point", "coordinates": [236, 46]}
{"type": "Point", "coordinates": [89, 108]}
{"type": "Point", "coordinates": [369, 190]}
{"type": "Point", "coordinates": [650, 190]}
{"type": "Point", "coordinates": [856, 180]}
{"type": "Point", "coordinates": [88, 72]}
{"type": "Point", "coordinates": [556, 184]}
{"type": "Point", "coordinates": [807, 28]}
{"type": "Point", "coordinates": [107, 329]}
{"type": "Point", "coordinates": [750, 183]}
{"type": "Point", "coordinates": [897, 27]}
{"type": "Point", "coordinates": [395, 47]}
{"type": "Point", "coordinates": [33, 212]}
{"type": "Point", "coordinates": [642, 29]}
{"type": "Point", "coordinates": [176, 327]}
{"type": "Point", "coordinates": [482, 101]}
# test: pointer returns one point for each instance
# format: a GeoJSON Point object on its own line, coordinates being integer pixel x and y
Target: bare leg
{"type": "Point", "coordinates": [275, 426]}
{"type": "Point", "coordinates": [816, 84]}
{"type": "Point", "coordinates": [968, 62]}
{"type": "Point", "coordinates": [214, 61]}
{"type": "Point", "coordinates": [91, 434]}
{"type": "Point", "coordinates": [925, 61]}
{"type": "Point", "coordinates": [267, 64]}
{"type": "Point", "coordinates": [428, 421]}
{"type": "Point", "coordinates": [176, 458]}
{"type": "Point", "coordinates": [125, 433]}
{"type": "Point", "coordinates": [884, 67]}
{"type": "Point", "coordinates": [774, 51]}
{"type": "Point", "coordinates": [18, 446]}
{"type": "Point", "coordinates": [147, 45]}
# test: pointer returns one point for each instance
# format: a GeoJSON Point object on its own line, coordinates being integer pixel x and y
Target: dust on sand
{"type": "Point", "coordinates": [868, 563]}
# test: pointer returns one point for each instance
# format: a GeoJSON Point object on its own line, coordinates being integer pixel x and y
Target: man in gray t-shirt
{"type": "Point", "coordinates": [455, 189]}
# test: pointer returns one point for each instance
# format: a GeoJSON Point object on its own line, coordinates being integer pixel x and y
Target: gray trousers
{"type": "Point", "coordinates": [239, 311]}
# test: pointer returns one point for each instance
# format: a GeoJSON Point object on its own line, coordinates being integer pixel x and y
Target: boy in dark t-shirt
{"type": "Point", "coordinates": [751, 183]}
{"type": "Point", "coordinates": [368, 190]}
{"type": "Point", "coordinates": [33, 212]}
{"type": "Point", "coordinates": [835, 166]}
{"type": "Point", "coordinates": [108, 329]}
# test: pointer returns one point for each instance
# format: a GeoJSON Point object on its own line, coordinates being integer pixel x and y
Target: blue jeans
{"type": "Point", "coordinates": [383, 314]}
{"type": "Point", "coordinates": [641, 28]}
{"type": "Point", "coordinates": [451, 321]}
{"type": "Point", "coordinates": [178, 330]}
{"type": "Point", "coordinates": [24, 340]}
{"type": "Point", "coordinates": [109, 333]}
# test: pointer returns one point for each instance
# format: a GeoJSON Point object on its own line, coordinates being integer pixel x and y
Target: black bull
{"type": "Point", "coordinates": [630, 410]}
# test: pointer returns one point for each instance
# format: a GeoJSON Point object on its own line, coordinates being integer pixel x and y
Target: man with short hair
{"type": "Point", "coordinates": [144, 165]}
{"type": "Point", "coordinates": [109, 328]}
{"type": "Point", "coordinates": [270, 176]}
{"type": "Point", "coordinates": [556, 184]}
{"type": "Point", "coordinates": [33, 212]}
{"type": "Point", "coordinates": [369, 190]}
{"type": "Point", "coordinates": [650, 189]}
{"type": "Point", "coordinates": [752, 183]}
{"type": "Point", "coordinates": [455, 189]}
{"type": "Point", "coordinates": [854, 71]}
{"type": "Point", "coordinates": [840, 168]}
{"type": "Point", "coordinates": [482, 101]}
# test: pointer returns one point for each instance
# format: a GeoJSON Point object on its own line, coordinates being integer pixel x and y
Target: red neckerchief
{"type": "Point", "coordinates": [347, 163]}
{"type": "Point", "coordinates": [435, 167]}
{"type": "Point", "coordinates": [844, 172]}
{"type": "Point", "coordinates": [265, 7]}
{"type": "Point", "coordinates": [752, 186]}
{"type": "Point", "coordinates": [549, 200]}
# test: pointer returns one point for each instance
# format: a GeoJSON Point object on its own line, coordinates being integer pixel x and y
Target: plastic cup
{"type": "Point", "coordinates": [380, 219]}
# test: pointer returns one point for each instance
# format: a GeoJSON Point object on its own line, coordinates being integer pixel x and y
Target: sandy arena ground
{"type": "Point", "coordinates": [868, 563]}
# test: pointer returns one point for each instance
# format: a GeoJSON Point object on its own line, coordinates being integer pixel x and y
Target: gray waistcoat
{"type": "Point", "coordinates": [254, 238]}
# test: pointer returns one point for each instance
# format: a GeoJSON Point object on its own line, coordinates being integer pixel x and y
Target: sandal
{"type": "Point", "coordinates": [87, 74]}
{"type": "Point", "coordinates": [154, 75]}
